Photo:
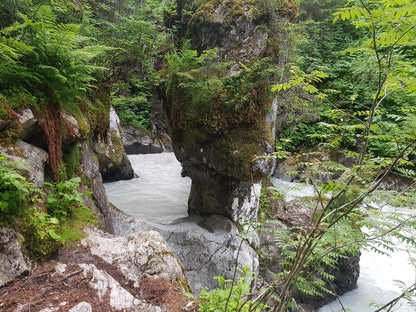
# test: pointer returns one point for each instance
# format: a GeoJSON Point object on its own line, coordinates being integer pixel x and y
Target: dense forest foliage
{"type": "Point", "coordinates": [349, 90]}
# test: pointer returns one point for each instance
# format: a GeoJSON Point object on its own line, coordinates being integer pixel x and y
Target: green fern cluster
{"type": "Point", "coordinates": [20, 207]}
{"type": "Point", "coordinates": [46, 59]}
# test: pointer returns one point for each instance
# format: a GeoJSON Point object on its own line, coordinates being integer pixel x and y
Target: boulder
{"type": "Point", "coordinates": [206, 246]}
{"type": "Point", "coordinates": [13, 263]}
{"type": "Point", "coordinates": [114, 163]}
{"type": "Point", "coordinates": [141, 141]}
{"type": "Point", "coordinates": [28, 122]}
{"type": "Point", "coordinates": [138, 255]}
{"type": "Point", "coordinates": [31, 160]}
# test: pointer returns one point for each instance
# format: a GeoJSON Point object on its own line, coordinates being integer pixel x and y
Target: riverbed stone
{"type": "Point", "coordinates": [206, 246]}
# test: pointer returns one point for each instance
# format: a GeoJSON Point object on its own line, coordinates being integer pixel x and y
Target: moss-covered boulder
{"type": "Point", "coordinates": [220, 108]}
{"type": "Point", "coordinates": [114, 164]}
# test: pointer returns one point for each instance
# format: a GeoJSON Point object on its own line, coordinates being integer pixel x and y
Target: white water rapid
{"type": "Point", "coordinates": [159, 194]}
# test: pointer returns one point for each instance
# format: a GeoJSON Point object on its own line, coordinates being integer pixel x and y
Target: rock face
{"type": "Point", "coordinates": [297, 214]}
{"type": "Point", "coordinates": [206, 246]}
{"type": "Point", "coordinates": [114, 164]}
{"type": "Point", "coordinates": [13, 264]}
{"type": "Point", "coordinates": [222, 134]}
{"type": "Point", "coordinates": [79, 155]}
{"type": "Point", "coordinates": [98, 203]}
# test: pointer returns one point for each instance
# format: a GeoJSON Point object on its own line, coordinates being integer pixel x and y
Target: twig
{"type": "Point", "coordinates": [70, 275]}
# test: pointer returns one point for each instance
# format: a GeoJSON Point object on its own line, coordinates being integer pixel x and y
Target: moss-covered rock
{"type": "Point", "coordinates": [114, 164]}
{"type": "Point", "coordinates": [220, 108]}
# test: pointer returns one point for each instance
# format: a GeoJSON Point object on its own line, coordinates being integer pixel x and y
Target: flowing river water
{"type": "Point", "coordinates": [160, 195]}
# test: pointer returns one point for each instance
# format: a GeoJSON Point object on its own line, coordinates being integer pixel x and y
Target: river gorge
{"type": "Point", "coordinates": [159, 194]}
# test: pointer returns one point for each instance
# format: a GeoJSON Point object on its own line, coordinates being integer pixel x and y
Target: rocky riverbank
{"type": "Point", "coordinates": [105, 273]}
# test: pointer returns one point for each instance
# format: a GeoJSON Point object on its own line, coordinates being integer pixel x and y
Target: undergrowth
{"type": "Point", "coordinates": [46, 222]}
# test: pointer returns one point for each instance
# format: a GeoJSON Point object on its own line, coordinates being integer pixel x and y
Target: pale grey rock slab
{"type": "Point", "coordinates": [137, 255]}
{"type": "Point", "coordinates": [81, 307]}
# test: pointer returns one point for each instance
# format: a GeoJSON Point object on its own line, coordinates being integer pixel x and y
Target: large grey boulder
{"type": "Point", "coordinates": [137, 255]}
{"type": "Point", "coordinates": [31, 160]}
{"type": "Point", "coordinates": [13, 263]}
{"type": "Point", "coordinates": [206, 246]}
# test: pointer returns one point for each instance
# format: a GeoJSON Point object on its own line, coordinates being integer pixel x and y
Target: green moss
{"type": "Point", "coordinates": [239, 149]}
{"type": "Point", "coordinates": [71, 231]}
{"type": "Point", "coordinates": [86, 181]}
{"type": "Point", "coordinates": [74, 109]}
{"type": "Point", "coordinates": [19, 100]}
{"type": "Point", "coordinates": [71, 156]}
{"type": "Point", "coordinates": [216, 103]}
{"type": "Point", "coordinates": [34, 227]}
{"type": "Point", "coordinates": [96, 112]}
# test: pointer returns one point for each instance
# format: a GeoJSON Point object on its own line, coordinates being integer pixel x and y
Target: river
{"type": "Point", "coordinates": [160, 195]}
